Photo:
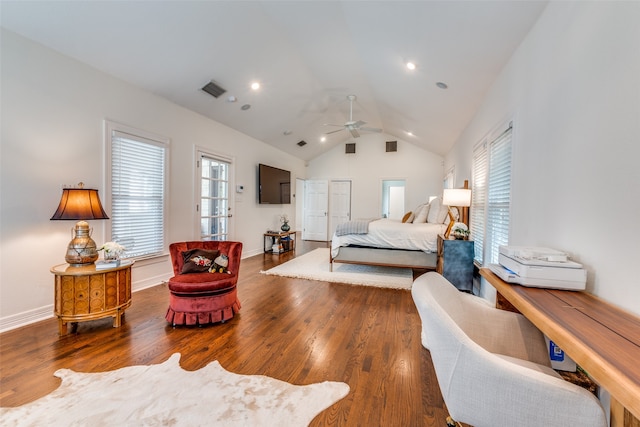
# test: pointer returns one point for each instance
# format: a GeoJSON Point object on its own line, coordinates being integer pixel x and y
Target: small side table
{"type": "Point", "coordinates": [285, 238]}
{"type": "Point", "coordinates": [455, 262]}
{"type": "Point", "coordinates": [84, 293]}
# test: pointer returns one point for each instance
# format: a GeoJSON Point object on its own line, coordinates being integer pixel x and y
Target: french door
{"type": "Point", "coordinates": [214, 204]}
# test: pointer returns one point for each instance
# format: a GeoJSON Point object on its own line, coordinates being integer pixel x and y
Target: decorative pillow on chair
{"type": "Point", "coordinates": [198, 260]}
{"type": "Point", "coordinates": [220, 264]}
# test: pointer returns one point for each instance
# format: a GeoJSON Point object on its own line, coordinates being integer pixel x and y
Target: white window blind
{"type": "Point", "coordinates": [499, 193]}
{"type": "Point", "coordinates": [479, 200]}
{"type": "Point", "coordinates": [138, 169]}
{"type": "Point", "coordinates": [491, 197]}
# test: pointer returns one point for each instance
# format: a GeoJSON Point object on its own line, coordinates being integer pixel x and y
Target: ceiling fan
{"type": "Point", "coordinates": [352, 126]}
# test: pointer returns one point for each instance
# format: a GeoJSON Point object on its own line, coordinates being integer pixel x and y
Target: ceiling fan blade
{"type": "Point", "coordinates": [354, 133]}
{"type": "Point", "coordinates": [359, 123]}
{"type": "Point", "coordinates": [372, 129]}
{"type": "Point", "coordinates": [331, 124]}
{"type": "Point", "coordinates": [334, 131]}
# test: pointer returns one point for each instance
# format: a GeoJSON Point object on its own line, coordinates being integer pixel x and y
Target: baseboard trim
{"type": "Point", "coordinates": [28, 317]}
{"type": "Point", "coordinates": [17, 320]}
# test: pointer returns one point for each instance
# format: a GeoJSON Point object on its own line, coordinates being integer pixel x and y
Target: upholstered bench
{"type": "Point", "coordinates": [197, 296]}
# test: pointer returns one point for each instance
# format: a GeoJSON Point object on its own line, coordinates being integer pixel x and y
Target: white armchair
{"type": "Point", "coordinates": [492, 365]}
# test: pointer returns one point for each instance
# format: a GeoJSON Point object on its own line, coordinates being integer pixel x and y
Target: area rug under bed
{"type": "Point", "coordinates": [315, 265]}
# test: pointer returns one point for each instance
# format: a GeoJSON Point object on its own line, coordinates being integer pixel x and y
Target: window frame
{"type": "Point", "coordinates": [145, 137]}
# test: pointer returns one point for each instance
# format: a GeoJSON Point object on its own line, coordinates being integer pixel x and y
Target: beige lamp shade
{"type": "Point", "coordinates": [457, 197]}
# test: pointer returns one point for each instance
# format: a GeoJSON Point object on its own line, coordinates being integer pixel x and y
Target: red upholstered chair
{"type": "Point", "coordinates": [201, 298]}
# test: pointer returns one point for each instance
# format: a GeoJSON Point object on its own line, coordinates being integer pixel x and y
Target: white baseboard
{"type": "Point", "coordinates": [14, 321]}
{"type": "Point", "coordinates": [25, 318]}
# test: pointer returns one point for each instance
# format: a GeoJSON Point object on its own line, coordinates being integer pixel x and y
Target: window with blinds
{"type": "Point", "coordinates": [137, 191]}
{"type": "Point", "coordinates": [479, 200]}
{"type": "Point", "coordinates": [491, 197]}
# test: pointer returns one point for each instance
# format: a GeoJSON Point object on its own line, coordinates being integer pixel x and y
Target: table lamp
{"type": "Point", "coordinates": [80, 204]}
{"type": "Point", "coordinates": [460, 197]}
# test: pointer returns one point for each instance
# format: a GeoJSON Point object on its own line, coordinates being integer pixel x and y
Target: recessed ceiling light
{"type": "Point", "coordinates": [255, 85]}
{"type": "Point", "coordinates": [232, 99]}
{"type": "Point", "coordinates": [323, 139]}
{"type": "Point", "coordinates": [287, 132]}
{"type": "Point", "coordinates": [411, 65]}
{"type": "Point", "coordinates": [245, 107]}
{"type": "Point", "coordinates": [409, 133]}
{"type": "Point", "coordinates": [442, 85]}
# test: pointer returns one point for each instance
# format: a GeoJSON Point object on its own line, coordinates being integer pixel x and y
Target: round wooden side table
{"type": "Point", "coordinates": [86, 293]}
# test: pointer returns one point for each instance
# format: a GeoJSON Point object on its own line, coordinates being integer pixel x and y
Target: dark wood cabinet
{"type": "Point", "coordinates": [455, 262]}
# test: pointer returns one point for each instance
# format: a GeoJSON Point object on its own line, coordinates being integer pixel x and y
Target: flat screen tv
{"type": "Point", "coordinates": [274, 185]}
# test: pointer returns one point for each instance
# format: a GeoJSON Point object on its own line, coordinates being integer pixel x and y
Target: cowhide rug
{"type": "Point", "coordinates": [167, 395]}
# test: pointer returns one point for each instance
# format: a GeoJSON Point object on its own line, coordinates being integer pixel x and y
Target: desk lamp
{"type": "Point", "coordinates": [80, 204]}
{"type": "Point", "coordinates": [460, 197]}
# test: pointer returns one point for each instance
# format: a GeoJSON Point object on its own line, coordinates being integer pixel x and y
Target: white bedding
{"type": "Point", "coordinates": [389, 233]}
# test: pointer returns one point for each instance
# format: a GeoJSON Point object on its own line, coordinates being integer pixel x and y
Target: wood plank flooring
{"type": "Point", "coordinates": [295, 330]}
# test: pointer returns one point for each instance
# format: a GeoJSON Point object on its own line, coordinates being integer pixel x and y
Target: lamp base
{"type": "Point", "coordinates": [82, 250]}
{"type": "Point", "coordinates": [450, 226]}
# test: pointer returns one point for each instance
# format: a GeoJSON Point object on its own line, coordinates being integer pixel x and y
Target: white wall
{"type": "Point", "coordinates": [53, 110]}
{"type": "Point", "coordinates": [573, 90]}
{"type": "Point", "coordinates": [370, 164]}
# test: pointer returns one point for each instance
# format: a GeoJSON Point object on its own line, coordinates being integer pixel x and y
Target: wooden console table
{"type": "Point", "coordinates": [601, 338]}
{"type": "Point", "coordinates": [84, 293]}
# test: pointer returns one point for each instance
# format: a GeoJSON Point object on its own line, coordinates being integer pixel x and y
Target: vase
{"type": "Point", "coordinates": [285, 226]}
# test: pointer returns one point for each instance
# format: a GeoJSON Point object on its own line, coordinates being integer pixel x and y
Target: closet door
{"type": "Point", "coordinates": [316, 203]}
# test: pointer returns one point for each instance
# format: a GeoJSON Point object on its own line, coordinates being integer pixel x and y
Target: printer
{"type": "Point", "coordinates": [539, 267]}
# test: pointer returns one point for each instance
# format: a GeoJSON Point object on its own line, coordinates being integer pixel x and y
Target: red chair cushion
{"type": "Point", "coordinates": [202, 282]}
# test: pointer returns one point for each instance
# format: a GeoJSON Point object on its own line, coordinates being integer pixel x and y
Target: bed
{"type": "Point", "coordinates": [411, 243]}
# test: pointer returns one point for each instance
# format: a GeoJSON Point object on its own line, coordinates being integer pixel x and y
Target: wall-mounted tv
{"type": "Point", "coordinates": [274, 185]}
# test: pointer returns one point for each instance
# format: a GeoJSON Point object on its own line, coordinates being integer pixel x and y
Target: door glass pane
{"type": "Point", "coordinates": [214, 199]}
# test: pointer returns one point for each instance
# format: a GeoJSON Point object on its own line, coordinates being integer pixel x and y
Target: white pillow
{"type": "Point", "coordinates": [421, 214]}
{"type": "Point", "coordinates": [443, 214]}
{"type": "Point", "coordinates": [434, 211]}
{"type": "Point", "coordinates": [456, 216]}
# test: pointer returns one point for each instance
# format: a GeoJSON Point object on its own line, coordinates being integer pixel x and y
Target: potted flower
{"type": "Point", "coordinates": [460, 231]}
{"type": "Point", "coordinates": [112, 251]}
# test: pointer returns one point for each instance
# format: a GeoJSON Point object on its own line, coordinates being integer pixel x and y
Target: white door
{"type": "Point", "coordinates": [213, 204]}
{"type": "Point", "coordinates": [396, 202]}
{"type": "Point", "coordinates": [315, 210]}
{"type": "Point", "coordinates": [339, 204]}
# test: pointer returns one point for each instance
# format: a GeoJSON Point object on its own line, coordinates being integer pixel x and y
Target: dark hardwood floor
{"type": "Point", "coordinates": [295, 330]}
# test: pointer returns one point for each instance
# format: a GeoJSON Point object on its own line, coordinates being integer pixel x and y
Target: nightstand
{"type": "Point", "coordinates": [455, 262]}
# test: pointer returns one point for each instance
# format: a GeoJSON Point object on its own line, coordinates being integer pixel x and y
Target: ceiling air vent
{"type": "Point", "coordinates": [302, 143]}
{"type": "Point", "coordinates": [392, 146]}
{"type": "Point", "coordinates": [213, 89]}
{"type": "Point", "coordinates": [350, 147]}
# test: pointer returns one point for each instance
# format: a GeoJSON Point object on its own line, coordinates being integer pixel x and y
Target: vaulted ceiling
{"type": "Point", "coordinates": [307, 56]}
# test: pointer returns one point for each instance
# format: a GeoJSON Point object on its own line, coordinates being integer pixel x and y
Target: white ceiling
{"type": "Point", "coordinates": [307, 55]}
